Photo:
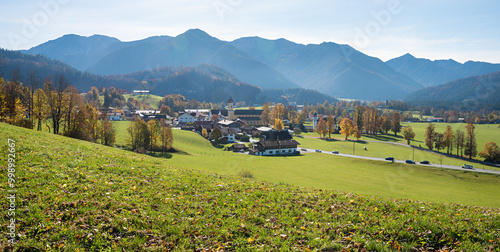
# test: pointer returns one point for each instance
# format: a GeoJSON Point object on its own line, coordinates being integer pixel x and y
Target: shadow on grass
{"type": "Point", "coordinates": [384, 138]}
{"type": "Point", "coordinates": [217, 145]}
{"type": "Point", "coordinates": [168, 154]}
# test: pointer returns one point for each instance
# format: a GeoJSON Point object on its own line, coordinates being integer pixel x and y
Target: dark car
{"type": "Point", "coordinates": [335, 152]}
{"type": "Point", "coordinates": [389, 158]}
{"type": "Point", "coordinates": [425, 162]}
{"type": "Point", "coordinates": [410, 161]}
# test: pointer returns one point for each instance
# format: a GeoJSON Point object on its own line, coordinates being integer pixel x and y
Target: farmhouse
{"type": "Point", "coordinates": [115, 116]}
{"type": "Point", "coordinates": [186, 118]}
{"type": "Point", "coordinates": [275, 143]}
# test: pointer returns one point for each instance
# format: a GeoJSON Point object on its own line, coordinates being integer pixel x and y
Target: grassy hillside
{"type": "Point", "coordinates": [340, 173]}
{"type": "Point", "coordinates": [151, 99]}
{"type": "Point", "coordinates": [74, 196]}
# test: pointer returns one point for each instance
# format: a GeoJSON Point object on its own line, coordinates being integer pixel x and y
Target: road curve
{"type": "Point", "coordinates": [306, 150]}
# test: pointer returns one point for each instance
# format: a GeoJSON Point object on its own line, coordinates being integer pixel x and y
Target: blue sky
{"type": "Point", "coordinates": [442, 29]}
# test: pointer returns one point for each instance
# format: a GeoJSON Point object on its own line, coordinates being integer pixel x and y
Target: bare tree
{"type": "Point", "coordinates": [55, 99]}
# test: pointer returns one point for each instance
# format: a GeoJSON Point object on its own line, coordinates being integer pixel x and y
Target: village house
{"type": "Point", "coordinates": [187, 118]}
{"type": "Point", "coordinates": [275, 143]}
{"type": "Point", "coordinates": [115, 116]}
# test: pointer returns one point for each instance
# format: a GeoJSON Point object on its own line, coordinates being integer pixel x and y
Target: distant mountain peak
{"type": "Point", "coordinates": [197, 33]}
{"type": "Point", "coordinates": [408, 55]}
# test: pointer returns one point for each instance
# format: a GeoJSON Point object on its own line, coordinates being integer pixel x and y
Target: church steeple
{"type": "Point", "coordinates": [230, 111]}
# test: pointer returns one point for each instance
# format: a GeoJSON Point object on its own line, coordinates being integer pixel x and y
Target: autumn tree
{"type": "Point", "coordinates": [357, 133]}
{"type": "Point", "coordinates": [33, 84]}
{"type": "Point", "coordinates": [297, 131]}
{"type": "Point", "coordinates": [165, 110]}
{"type": "Point", "coordinates": [92, 97]}
{"type": "Point", "coordinates": [346, 127]}
{"type": "Point", "coordinates": [204, 133]}
{"type": "Point", "coordinates": [54, 91]}
{"type": "Point", "coordinates": [214, 118]}
{"type": "Point", "coordinates": [490, 153]}
{"type": "Point", "coordinates": [331, 125]}
{"type": "Point", "coordinates": [40, 107]}
{"type": "Point", "coordinates": [278, 112]}
{"type": "Point", "coordinates": [278, 124]}
{"type": "Point", "coordinates": [470, 148]}
{"type": "Point", "coordinates": [448, 139]}
{"type": "Point", "coordinates": [322, 128]}
{"type": "Point", "coordinates": [139, 135]}
{"type": "Point", "coordinates": [439, 141]}
{"type": "Point", "coordinates": [358, 117]}
{"type": "Point", "coordinates": [216, 134]}
{"type": "Point", "coordinates": [430, 136]}
{"type": "Point", "coordinates": [166, 138]}
{"type": "Point", "coordinates": [408, 134]}
{"type": "Point", "coordinates": [459, 142]}
{"type": "Point", "coordinates": [154, 133]}
{"type": "Point", "coordinates": [3, 101]}
{"type": "Point", "coordinates": [396, 123]}
{"type": "Point", "coordinates": [72, 102]}
{"type": "Point", "coordinates": [385, 124]}
{"type": "Point", "coordinates": [108, 133]}
{"type": "Point", "coordinates": [265, 117]}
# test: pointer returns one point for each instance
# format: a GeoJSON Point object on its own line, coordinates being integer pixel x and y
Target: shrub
{"type": "Point", "coordinates": [245, 173]}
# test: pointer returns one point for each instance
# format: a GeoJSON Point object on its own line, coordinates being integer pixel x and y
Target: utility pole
{"type": "Point", "coordinates": [353, 145]}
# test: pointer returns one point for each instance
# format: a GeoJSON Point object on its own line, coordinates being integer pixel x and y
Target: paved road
{"type": "Point", "coordinates": [401, 161]}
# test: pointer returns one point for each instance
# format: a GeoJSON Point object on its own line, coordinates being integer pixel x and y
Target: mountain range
{"type": "Point", "coordinates": [333, 69]}
{"type": "Point", "coordinates": [469, 93]}
{"type": "Point", "coordinates": [208, 83]}
{"type": "Point", "coordinates": [432, 73]}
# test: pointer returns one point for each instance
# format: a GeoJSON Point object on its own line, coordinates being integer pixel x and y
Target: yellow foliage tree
{"type": "Point", "coordinates": [204, 133]}
{"type": "Point", "coordinates": [357, 133]}
{"type": "Point", "coordinates": [278, 124]}
{"type": "Point", "coordinates": [322, 128]}
{"type": "Point", "coordinates": [346, 127]}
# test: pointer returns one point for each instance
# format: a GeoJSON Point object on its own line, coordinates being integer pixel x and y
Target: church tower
{"type": "Point", "coordinates": [315, 120]}
{"type": "Point", "coordinates": [230, 111]}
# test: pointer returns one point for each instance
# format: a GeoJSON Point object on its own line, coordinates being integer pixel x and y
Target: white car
{"type": "Point", "coordinates": [466, 166]}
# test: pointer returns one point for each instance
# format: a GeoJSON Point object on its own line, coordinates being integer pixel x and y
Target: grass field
{"type": "Point", "coordinates": [484, 132]}
{"type": "Point", "coordinates": [152, 100]}
{"type": "Point", "coordinates": [341, 173]}
{"type": "Point", "coordinates": [78, 196]}
{"type": "Point", "coordinates": [382, 150]}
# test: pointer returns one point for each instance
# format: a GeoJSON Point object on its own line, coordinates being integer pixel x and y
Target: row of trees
{"type": "Point", "coordinates": [464, 142]}
{"type": "Point", "coordinates": [57, 104]}
{"type": "Point", "coordinates": [151, 136]}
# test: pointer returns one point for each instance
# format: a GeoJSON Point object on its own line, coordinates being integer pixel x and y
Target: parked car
{"type": "Point", "coordinates": [318, 150]}
{"type": "Point", "coordinates": [389, 158]}
{"type": "Point", "coordinates": [466, 166]}
{"type": "Point", "coordinates": [303, 149]}
{"type": "Point", "coordinates": [425, 162]}
{"type": "Point", "coordinates": [410, 161]}
{"type": "Point", "coordinates": [335, 152]}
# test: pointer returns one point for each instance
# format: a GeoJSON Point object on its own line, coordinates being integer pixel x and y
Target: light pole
{"type": "Point", "coordinates": [353, 145]}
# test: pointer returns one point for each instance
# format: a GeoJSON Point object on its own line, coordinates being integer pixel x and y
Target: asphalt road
{"type": "Point", "coordinates": [401, 161]}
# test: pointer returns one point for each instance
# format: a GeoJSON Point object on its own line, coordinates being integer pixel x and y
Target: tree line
{"type": "Point", "coordinates": [54, 104]}
{"type": "Point", "coordinates": [463, 143]}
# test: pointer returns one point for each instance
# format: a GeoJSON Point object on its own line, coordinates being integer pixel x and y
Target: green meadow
{"type": "Point", "coordinates": [342, 173]}
{"type": "Point", "coordinates": [484, 132]}
{"type": "Point", "coordinates": [78, 196]}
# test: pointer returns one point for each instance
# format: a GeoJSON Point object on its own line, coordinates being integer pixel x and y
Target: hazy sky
{"type": "Point", "coordinates": [437, 29]}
